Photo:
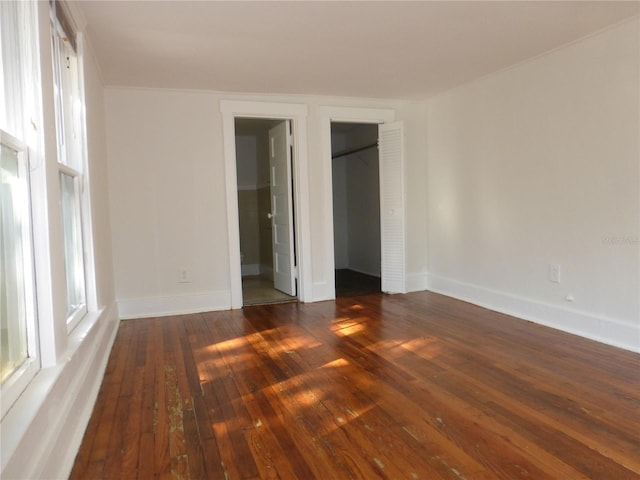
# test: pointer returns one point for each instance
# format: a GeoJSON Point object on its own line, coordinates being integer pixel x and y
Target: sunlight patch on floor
{"type": "Point", "coordinates": [426, 347]}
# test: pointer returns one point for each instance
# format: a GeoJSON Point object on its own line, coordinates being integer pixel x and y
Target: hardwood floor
{"type": "Point", "coordinates": [415, 386]}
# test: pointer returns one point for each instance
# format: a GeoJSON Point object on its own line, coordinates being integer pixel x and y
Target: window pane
{"type": "Point", "coordinates": [13, 215]}
{"type": "Point", "coordinates": [20, 71]}
{"type": "Point", "coordinates": [73, 261]}
{"type": "Point", "coordinates": [68, 105]}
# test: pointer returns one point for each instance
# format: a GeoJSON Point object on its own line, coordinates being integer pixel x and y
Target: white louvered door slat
{"type": "Point", "coordinates": [392, 202]}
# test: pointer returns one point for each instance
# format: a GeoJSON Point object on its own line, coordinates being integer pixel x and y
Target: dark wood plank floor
{"type": "Point", "coordinates": [350, 283]}
{"type": "Point", "coordinates": [414, 386]}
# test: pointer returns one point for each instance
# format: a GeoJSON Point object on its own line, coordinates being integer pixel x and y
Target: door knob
{"type": "Point", "coordinates": [269, 215]}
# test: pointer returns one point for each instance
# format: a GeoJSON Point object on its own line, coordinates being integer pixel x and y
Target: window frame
{"type": "Point", "coordinates": [13, 386]}
{"type": "Point", "coordinates": [72, 161]}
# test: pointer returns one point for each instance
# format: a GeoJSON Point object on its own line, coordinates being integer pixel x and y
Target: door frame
{"type": "Point", "coordinates": [327, 116]}
{"type": "Point", "coordinates": [297, 114]}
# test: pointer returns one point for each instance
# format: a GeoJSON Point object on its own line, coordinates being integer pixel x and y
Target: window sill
{"type": "Point", "coordinates": [35, 405]}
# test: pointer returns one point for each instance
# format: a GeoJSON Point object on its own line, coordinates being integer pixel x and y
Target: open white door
{"type": "Point", "coordinates": [284, 277]}
{"type": "Point", "coordinates": [391, 154]}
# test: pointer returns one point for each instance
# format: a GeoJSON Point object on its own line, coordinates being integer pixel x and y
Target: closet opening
{"type": "Point", "coordinates": [356, 208]}
{"type": "Point", "coordinates": [265, 210]}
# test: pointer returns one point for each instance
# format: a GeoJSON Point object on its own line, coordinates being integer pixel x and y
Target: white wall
{"type": "Point", "coordinates": [247, 180]}
{"type": "Point", "coordinates": [247, 161]}
{"type": "Point", "coordinates": [168, 203]}
{"type": "Point", "coordinates": [340, 213]}
{"type": "Point", "coordinates": [414, 116]}
{"type": "Point", "coordinates": [363, 192]}
{"type": "Point", "coordinates": [167, 191]}
{"type": "Point", "coordinates": [43, 429]}
{"type": "Point", "coordinates": [539, 165]}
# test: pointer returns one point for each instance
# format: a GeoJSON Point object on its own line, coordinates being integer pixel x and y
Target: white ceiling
{"type": "Point", "coordinates": [391, 49]}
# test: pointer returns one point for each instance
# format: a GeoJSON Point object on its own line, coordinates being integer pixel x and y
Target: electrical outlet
{"type": "Point", "coordinates": [554, 272]}
{"type": "Point", "coordinates": [183, 276]}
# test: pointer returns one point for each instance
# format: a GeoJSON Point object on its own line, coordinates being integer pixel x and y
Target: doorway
{"type": "Point", "coordinates": [265, 210]}
{"type": "Point", "coordinates": [356, 208]}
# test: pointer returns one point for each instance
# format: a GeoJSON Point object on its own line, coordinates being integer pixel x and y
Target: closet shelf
{"type": "Point", "coordinates": [344, 153]}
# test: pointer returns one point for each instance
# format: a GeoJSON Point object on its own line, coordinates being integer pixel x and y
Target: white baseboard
{"type": "Point", "coordinates": [604, 330]}
{"type": "Point", "coordinates": [55, 408]}
{"type": "Point", "coordinates": [416, 282]}
{"type": "Point", "coordinates": [362, 271]}
{"type": "Point", "coordinates": [250, 269]}
{"type": "Point", "coordinates": [322, 291]}
{"type": "Point", "coordinates": [174, 305]}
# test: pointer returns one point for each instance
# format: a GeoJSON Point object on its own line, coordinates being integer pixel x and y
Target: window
{"type": "Point", "coordinates": [72, 233]}
{"type": "Point", "coordinates": [17, 316]}
{"type": "Point", "coordinates": [25, 221]}
{"type": "Point", "coordinates": [13, 325]}
{"type": "Point", "coordinates": [71, 160]}
{"type": "Point", "coordinates": [19, 87]}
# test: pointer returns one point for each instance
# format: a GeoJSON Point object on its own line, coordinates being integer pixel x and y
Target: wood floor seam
{"type": "Point", "coordinates": [415, 386]}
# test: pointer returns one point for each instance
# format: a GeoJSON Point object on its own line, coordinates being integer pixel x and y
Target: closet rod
{"type": "Point", "coordinates": [354, 150]}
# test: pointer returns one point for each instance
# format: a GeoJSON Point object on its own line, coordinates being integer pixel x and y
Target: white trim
{"type": "Point", "coordinates": [174, 305]}
{"type": "Point", "coordinates": [417, 282]}
{"type": "Point", "coordinates": [76, 316]}
{"type": "Point", "coordinates": [75, 16]}
{"type": "Point", "coordinates": [13, 386]}
{"type": "Point", "coordinates": [80, 170]}
{"type": "Point", "coordinates": [68, 171]}
{"type": "Point", "coordinates": [43, 418]}
{"type": "Point", "coordinates": [327, 289]}
{"type": "Point", "coordinates": [601, 329]}
{"type": "Point", "coordinates": [324, 290]}
{"type": "Point", "coordinates": [297, 113]}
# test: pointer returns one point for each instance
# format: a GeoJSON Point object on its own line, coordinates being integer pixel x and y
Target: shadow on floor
{"type": "Point", "coordinates": [350, 283]}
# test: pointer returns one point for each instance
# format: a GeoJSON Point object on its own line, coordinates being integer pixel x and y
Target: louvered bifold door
{"type": "Point", "coordinates": [392, 211]}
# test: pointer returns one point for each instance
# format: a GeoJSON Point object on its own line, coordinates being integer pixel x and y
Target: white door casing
{"type": "Point", "coordinates": [297, 113]}
{"type": "Point", "coordinates": [284, 278]}
{"type": "Point", "coordinates": [392, 200]}
{"type": "Point", "coordinates": [326, 289]}
{"type": "Point", "coordinates": [393, 250]}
